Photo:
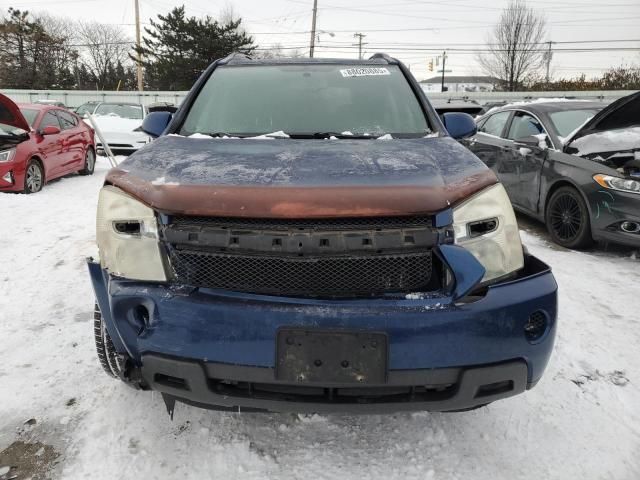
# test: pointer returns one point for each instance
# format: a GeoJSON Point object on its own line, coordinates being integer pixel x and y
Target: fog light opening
{"type": "Point", "coordinates": [630, 227]}
{"type": "Point", "coordinates": [536, 326]}
{"type": "Point", "coordinates": [8, 177]}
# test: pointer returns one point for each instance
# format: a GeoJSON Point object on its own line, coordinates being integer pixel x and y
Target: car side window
{"type": "Point", "coordinates": [524, 125]}
{"type": "Point", "coordinates": [49, 120]}
{"type": "Point", "coordinates": [66, 120]}
{"type": "Point", "coordinates": [494, 125]}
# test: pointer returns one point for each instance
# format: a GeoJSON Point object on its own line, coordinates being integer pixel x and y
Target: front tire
{"type": "Point", "coordinates": [33, 177]}
{"type": "Point", "coordinates": [89, 162]}
{"type": "Point", "coordinates": [109, 359]}
{"type": "Point", "coordinates": [567, 219]}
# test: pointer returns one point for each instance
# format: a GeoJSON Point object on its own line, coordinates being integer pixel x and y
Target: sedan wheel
{"type": "Point", "coordinates": [567, 219]}
{"type": "Point", "coordinates": [34, 178]}
{"type": "Point", "coordinates": [89, 163]}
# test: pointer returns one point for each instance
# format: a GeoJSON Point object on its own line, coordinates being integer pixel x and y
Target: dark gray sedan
{"type": "Point", "coordinates": [574, 165]}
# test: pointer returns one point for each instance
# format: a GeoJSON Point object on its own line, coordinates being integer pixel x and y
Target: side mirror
{"type": "Point", "coordinates": [155, 123]}
{"type": "Point", "coordinates": [459, 125]}
{"type": "Point", "coordinates": [49, 130]}
{"type": "Point", "coordinates": [532, 141]}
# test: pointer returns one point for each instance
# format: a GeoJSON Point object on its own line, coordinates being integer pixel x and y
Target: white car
{"type": "Point", "coordinates": [119, 124]}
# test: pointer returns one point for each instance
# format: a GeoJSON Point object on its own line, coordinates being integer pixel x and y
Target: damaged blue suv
{"type": "Point", "coordinates": [307, 235]}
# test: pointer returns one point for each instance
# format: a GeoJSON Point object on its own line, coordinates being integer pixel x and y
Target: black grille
{"type": "Point", "coordinates": [346, 223]}
{"type": "Point", "coordinates": [318, 276]}
{"type": "Point", "coordinates": [359, 395]}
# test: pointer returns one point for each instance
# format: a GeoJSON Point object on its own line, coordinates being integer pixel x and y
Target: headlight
{"type": "Point", "coordinates": [617, 183]}
{"type": "Point", "coordinates": [486, 226]}
{"type": "Point", "coordinates": [127, 236]}
{"type": "Point", "coordinates": [7, 155]}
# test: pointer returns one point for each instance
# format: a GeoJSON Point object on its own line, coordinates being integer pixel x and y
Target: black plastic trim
{"type": "Point", "coordinates": [211, 385]}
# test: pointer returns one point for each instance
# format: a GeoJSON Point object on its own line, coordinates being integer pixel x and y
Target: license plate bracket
{"type": "Point", "coordinates": [331, 357]}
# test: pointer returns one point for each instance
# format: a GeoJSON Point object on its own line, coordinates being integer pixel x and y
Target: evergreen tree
{"type": "Point", "coordinates": [176, 49]}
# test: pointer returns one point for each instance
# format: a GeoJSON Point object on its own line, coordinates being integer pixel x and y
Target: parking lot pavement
{"type": "Point", "coordinates": [60, 413]}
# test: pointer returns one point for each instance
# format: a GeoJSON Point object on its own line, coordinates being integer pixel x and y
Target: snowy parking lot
{"type": "Point", "coordinates": [61, 416]}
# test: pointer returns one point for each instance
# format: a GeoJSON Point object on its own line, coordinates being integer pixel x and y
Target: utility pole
{"type": "Point", "coordinates": [313, 28]}
{"type": "Point", "coordinates": [360, 37]}
{"type": "Point", "coordinates": [548, 56]}
{"type": "Point", "coordinates": [444, 64]}
{"type": "Point", "coordinates": [139, 55]}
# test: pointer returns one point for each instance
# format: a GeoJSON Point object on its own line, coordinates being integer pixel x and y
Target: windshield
{"type": "Point", "coordinates": [133, 112]}
{"type": "Point", "coordinates": [29, 115]}
{"type": "Point", "coordinates": [306, 100]}
{"type": "Point", "coordinates": [569, 120]}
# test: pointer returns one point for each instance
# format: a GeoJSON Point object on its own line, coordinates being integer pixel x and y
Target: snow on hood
{"type": "Point", "coordinates": [608, 141]}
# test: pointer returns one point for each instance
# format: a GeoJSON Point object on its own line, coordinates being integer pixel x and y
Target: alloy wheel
{"type": "Point", "coordinates": [566, 217]}
{"type": "Point", "coordinates": [34, 178]}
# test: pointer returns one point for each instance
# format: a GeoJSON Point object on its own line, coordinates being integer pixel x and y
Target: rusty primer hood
{"type": "Point", "coordinates": [285, 178]}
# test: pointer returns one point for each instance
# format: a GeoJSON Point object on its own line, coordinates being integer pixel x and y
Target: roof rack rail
{"type": "Point", "coordinates": [235, 55]}
{"type": "Point", "coordinates": [383, 56]}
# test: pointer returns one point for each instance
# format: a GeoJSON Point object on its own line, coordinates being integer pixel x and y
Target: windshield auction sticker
{"type": "Point", "coordinates": [364, 72]}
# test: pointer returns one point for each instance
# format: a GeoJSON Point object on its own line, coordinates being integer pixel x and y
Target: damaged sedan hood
{"type": "Point", "coordinates": [612, 137]}
{"type": "Point", "coordinates": [285, 178]}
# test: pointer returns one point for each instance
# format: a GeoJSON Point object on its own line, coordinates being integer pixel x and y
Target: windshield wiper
{"type": "Point", "coordinates": [331, 134]}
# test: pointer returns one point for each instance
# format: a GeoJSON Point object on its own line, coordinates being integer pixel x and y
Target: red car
{"type": "Point", "coordinates": [39, 143]}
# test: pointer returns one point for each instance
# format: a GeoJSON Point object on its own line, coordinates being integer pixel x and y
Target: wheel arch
{"type": "Point", "coordinates": [563, 182]}
{"type": "Point", "coordinates": [37, 159]}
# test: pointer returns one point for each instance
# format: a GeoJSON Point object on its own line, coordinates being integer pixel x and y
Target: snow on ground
{"type": "Point", "coordinates": [581, 422]}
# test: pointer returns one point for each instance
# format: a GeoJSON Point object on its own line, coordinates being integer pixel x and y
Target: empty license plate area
{"type": "Point", "coordinates": [331, 357]}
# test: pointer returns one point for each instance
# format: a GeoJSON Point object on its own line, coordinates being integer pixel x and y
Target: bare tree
{"type": "Point", "coordinates": [102, 48]}
{"type": "Point", "coordinates": [61, 57]}
{"type": "Point", "coordinates": [515, 45]}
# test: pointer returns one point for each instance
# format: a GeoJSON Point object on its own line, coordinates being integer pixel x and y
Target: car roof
{"type": "Point", "coordinates": [553, 106]}
{"type": "Point", "coordinates": [37, 106]}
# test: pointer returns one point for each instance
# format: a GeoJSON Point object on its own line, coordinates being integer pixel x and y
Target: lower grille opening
{"type": "Point", "coordinates": [304, 393]}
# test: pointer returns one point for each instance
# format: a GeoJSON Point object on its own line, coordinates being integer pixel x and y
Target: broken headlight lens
{"type": "Point", "coordinates": [486, 226]}
{"type": "Point", "coordinates": [617, 183]}
{"type": "Point", "coordinates": [7, 155]}
{"type": "Point", "coordinates": [127, 236]}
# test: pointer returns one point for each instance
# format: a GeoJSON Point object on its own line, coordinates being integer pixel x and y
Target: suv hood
{"type": "Point", "coordinates": [285, 178]}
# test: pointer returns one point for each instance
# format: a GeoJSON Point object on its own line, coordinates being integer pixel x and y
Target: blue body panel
{"type": "Point", "coordinates": [238, 328]}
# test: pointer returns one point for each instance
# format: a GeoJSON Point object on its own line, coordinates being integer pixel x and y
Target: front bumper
{"type": "Point", "coordinates": [609, 209]}
{"type": "Point", "coordinates": [124, 142]}
{"type": "Point", "coordinates": [218, 348]}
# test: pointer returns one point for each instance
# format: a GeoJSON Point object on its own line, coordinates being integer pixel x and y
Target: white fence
{"type": "Point", "coordinates": [75, 98]}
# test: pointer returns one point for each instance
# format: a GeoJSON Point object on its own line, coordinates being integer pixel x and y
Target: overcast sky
{"type": "Point", "coordinates": [413, 27]}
